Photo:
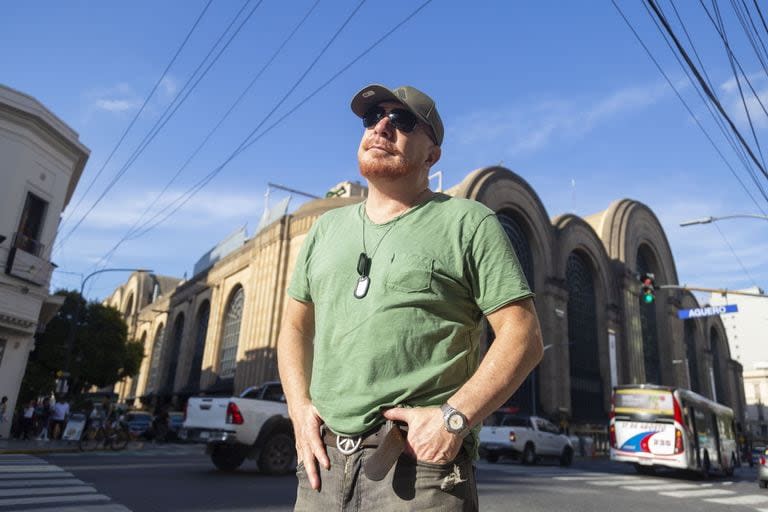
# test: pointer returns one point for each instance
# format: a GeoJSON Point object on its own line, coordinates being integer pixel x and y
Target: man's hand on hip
{"type": "Point", "coordinates": [309, 446]}
{"type": "Point", "coordinates": [428, 441]}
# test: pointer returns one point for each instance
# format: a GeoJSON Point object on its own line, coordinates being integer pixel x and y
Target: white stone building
{"type": "Point", "coordinates": [746, 331]}
{"type": "Point", "coordinates": [41, 161]}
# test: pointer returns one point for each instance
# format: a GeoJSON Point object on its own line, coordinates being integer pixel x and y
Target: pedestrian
{"type": "Point", "coordinates": [383, 323]}
{"type": "Point", "coordinates": [43, 414]}
{"type": "Point", "coordinates": [59, 417]}
{"type": "Point", "coordinates": [28, 420]}
{"type": "Point", "coordinates": [3, 412]}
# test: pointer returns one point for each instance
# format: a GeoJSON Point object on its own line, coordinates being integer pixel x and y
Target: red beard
{"type": "Point", "coordinates": [388, 166]}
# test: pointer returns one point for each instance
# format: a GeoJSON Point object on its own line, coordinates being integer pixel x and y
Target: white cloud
{"type": "Point", "coordinates": [527, 128]}
{"type": "Point", "coordinates": [169, 86]}
{"type": "Point", "coordinates": [116, 105]}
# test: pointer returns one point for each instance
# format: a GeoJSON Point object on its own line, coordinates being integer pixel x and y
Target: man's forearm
{"type": "Point", "coordinates": [294, 354]}
{"type": "Point", "coordinates": [515, 351]}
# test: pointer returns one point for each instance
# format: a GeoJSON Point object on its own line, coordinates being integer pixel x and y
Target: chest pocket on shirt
{"type": "Point", "coordinates": [410, 273]}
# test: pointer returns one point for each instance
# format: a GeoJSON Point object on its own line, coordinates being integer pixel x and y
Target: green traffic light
{"type": "Point", "coordinates": [648, 298]}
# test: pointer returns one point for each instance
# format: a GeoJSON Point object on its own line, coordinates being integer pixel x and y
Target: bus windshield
{"type": "Point", "coordinates": [644, 402]}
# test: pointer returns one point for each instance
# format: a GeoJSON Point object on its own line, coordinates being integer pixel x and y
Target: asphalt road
{"type": "Point", "coordinates": [180, 478]}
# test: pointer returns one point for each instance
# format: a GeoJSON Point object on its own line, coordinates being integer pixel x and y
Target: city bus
{"type": "Point", "coordinates": [659, 426]}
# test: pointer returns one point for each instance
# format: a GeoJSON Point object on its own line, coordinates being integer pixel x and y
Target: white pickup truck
{"type": "Point", "coordinates": [528, 438]}
{"type": "Point", "coordinates": [254, 425]}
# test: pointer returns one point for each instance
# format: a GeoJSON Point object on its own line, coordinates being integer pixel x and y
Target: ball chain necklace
{"type": "Point", "coordinates": [364, 261]}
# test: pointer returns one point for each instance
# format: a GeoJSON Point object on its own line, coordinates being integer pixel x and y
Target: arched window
{"type": "Point", "coordinates": [231, 334]}
{"type": "Point", "coordinates": [201, 332]}
{"type": "Point", "coordinates": [714, 347]}
{"type": "Point", "coordinates": [649, 324]}
{"type": "Point", "coordinates": [586, 383]}
{"type": "Point", "coordinates": [520, 244]}
{"type": "Point", "coordinates": [173, 359]}
{"type": "Point", "coordinates": [154, 362]}
{"type": "Point", "coordinates": [525, 398]}
{"type": "Point", "coordinates": [128, 307]}
{"type": "Point", "coordinates": [135, 378]}
{"type": "Point", "coordinates": [692, 356]}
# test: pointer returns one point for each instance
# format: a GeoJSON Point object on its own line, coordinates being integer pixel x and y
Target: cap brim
{"type": "Point", "coordinates": [371, 96]}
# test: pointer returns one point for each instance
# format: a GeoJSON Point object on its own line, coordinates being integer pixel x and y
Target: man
{"type": "Point", "coordinates": [59, 417]}
{"type": "Point", "coordinates": [383, 322]}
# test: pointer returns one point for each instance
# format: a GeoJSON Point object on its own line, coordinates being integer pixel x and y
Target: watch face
{"type": "Point", "coordinates": [455, 422]}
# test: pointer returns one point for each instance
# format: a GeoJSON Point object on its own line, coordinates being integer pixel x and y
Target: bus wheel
{"type": "Point", "coordinates": [729, 470]}
{"type": "Point", "coordinates": [705, 467]}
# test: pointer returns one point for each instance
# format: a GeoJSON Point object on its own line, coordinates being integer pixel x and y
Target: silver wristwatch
{"type": "Point", "coordinates": [454, 421]}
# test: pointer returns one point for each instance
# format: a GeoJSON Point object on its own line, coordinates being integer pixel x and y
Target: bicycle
{"type": "Point", "coordinates": [111, 434]}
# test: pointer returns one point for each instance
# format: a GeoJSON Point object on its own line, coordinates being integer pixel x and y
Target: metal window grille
{"type": "Point", "coordinates": [231, 335]}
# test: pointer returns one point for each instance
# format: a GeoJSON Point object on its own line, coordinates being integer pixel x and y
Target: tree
{"type": "Point", "coordinates": [101, 354]}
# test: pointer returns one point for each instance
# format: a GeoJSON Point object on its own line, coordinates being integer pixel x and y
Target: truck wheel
{"type": "Point", "coordinates": [493, 458]}
{"type": "Point", "coordinates": [278, 454]}
{"type": "Point", "coordinates": [763, 484]}
{"type": "Point", "coordinates": [529, 455]}
{"type": "Point", "coordinates": [227, 458]}
{"type": "Point", "coordinates": [567, 457]}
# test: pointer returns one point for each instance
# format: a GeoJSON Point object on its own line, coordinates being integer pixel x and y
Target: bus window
{"type": "Point", "coordinates": [643, 403]}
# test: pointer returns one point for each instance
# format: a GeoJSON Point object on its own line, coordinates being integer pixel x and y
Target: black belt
{"type": "Point", "coordinates": [388, 440]}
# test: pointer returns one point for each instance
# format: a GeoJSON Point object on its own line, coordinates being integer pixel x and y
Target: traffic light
{"type": "Point", "coordinates": [648, 291]}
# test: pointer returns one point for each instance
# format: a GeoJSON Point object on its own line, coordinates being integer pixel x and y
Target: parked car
{"type": "Point", "coordinates": [762, 469]}
{"type": "Point", "coordinates": [254, 425]}
{"type": "Point", "coordinates": [528, 438]}
{"type": "Point", "coordinates": [138, 423]}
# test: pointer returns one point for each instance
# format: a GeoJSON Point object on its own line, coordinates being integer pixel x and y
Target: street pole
{"type": "Point", "coordinates": [708, 220]}
{"type": "Point", "coordinates": [73, 326]}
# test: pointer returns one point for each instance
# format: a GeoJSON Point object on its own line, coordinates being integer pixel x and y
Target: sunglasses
{"type": "Point", "coordinates": [400, 118]}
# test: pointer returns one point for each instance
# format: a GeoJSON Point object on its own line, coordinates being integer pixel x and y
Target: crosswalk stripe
{"type": "Point", "coordinates": [28, 476]}
{"type": "Point", "coordinates": [632, 480]}
{"type": "Point", "coordinates": [666, 487]}
{"type": "Point", "coordinates": [749, 499]}
{"type": "Point", "coordinates": [46, 490]}
{"type": "Point", "coordinates": [6, 502]}
{"type": "Point", "coordinates": [593, 477]}
{"type": "Point", "coordinates": [109, 507]}
{"type": "Point", "coordinates": [39, 483]}
{"type": "Point", "coordinates": [37, 468]}
{"type": "Point", "coordinates": [703, 493]}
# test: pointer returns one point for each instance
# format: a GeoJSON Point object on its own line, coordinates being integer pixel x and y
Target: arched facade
{"type": "Point", "coordinates": [583, 270]}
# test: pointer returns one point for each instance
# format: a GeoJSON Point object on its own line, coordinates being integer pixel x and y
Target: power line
{"type": "Point", "coordinates": [133, 121]}
{"type": "Point", "coordinates": [202, 183]}
{"type": "Point", "coordinates": [738, 149]}
{"type": "Point", "coordinates": [133, 229]}
{"type": "Point", "coordinates": [163, 120]}
{"type": "Point", "coordinates": [704, 85]}
{"type": "Point", "coordinates": [685, 104]}
{"type": "Point", "coordinates": [738, 260]}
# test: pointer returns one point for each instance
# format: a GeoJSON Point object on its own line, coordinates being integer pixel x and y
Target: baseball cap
{"type": "Point", "coordinates": [421, 105]}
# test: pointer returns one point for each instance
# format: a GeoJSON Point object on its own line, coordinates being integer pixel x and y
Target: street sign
{"type": "Point", "coordinates": [685, 314]}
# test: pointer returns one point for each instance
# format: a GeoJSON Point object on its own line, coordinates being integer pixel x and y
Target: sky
{"type": "Point", "coordinates": [562, 93]}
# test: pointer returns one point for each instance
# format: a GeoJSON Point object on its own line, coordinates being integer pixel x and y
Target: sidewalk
{"type": "Point", "coordinates": [9, 446]}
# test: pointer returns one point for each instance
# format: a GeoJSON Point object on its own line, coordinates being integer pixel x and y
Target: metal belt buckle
{"type": "Point", "coordinates": [348, 445]}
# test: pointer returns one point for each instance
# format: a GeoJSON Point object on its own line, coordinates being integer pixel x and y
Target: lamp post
{"type": "Point", "coordinates": [708, 220]}
{"type": "Point", "coordinates": [687, 370]}
{"type": "Point", "coordinates": [73, 327]}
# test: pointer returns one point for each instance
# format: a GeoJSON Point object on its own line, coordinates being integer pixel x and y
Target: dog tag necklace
{"type": "Point", "coordinates": [364, 261]}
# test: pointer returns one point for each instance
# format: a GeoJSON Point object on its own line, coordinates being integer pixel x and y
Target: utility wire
{"type": "Point", "coordinates": [736, 256]}
{"type": "Point", "coordinates": [163, 120]}
{"type": "Point", "coordinates": [731, 59]}
{"type": "Point", "coordinates": [740, 153]}
{"type": "Point", "coordinates": [751, 33]}
{"type": "Point", "coordinates": [760, 13]}
{"type": "Point", "coordinates": [202, 183]}
{"type": "Point", "coordinates": [685, 104]}
{"type": "Point", "coordinates": [133, 121]}
{"type": "Point", "coordinates": [704, 86]}
{"type": "Point", "coordinates": [133, 229]}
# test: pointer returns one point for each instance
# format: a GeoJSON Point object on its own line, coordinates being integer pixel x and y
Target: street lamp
{"type": "Point", "coordinates": [708, 220]}
{"type": "Point", "coordinates": [73, 327]}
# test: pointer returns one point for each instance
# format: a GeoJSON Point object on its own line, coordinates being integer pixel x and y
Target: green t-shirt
{"type": "Point", "coordinates": [413, 339]}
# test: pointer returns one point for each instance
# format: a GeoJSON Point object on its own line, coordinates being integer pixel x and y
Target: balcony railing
{"type": "Point", "coordinates": [27, 244]}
